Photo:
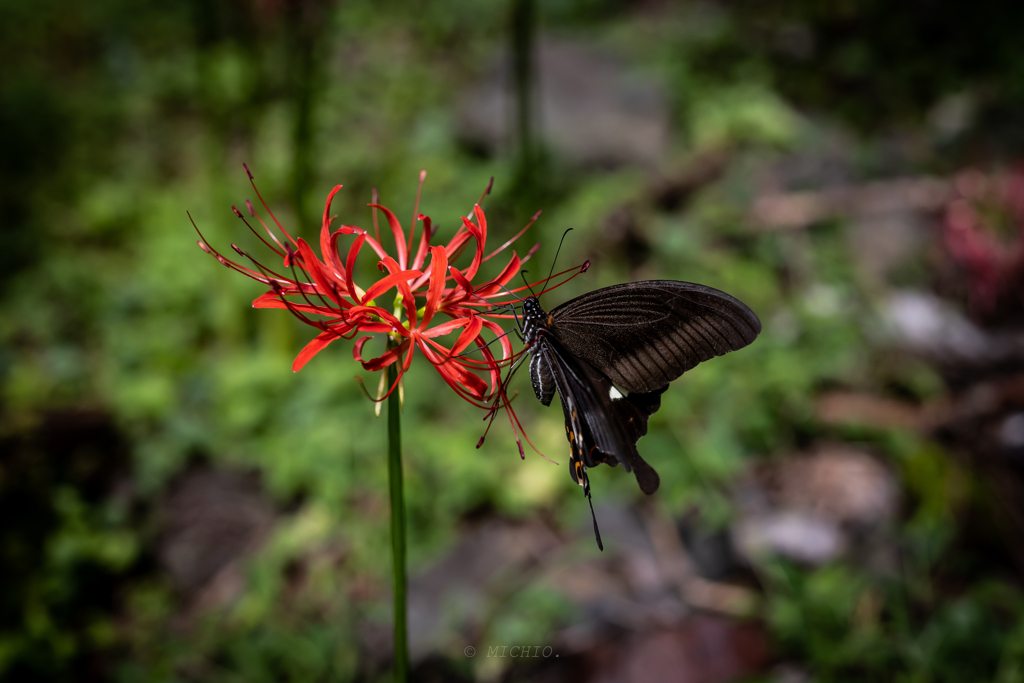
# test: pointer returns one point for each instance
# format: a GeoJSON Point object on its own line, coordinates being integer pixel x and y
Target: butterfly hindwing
{"type": "Point", "coordinates": [603, 424]}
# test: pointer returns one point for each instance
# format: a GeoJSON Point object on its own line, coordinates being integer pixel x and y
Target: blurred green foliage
{"type": "Point", "coordinates": [127, 355]}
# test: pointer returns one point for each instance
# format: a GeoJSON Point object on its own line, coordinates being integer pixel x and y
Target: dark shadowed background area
{"type": "Point", "coordinates": [841, 501]}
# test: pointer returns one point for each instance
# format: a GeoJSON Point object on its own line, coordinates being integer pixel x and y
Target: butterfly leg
{"type": "Point", "coordinates": [493, 412]}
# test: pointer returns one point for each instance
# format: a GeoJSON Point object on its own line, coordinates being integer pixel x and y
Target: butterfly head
{"type": "Point", "coordinates": [534, 319]}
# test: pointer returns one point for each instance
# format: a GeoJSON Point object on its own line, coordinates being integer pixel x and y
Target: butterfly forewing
{"type": "Point", "coordinates": [643, 335]}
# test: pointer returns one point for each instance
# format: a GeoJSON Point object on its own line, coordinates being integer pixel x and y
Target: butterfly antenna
{"type": "Point", "coordinates": [496, 304]}
{"type": "Point", "coordinates": [522, 274]}
{"type": "Point", "coordinates": [510, 292]}
{"type": "Point", "coordinates": [550, 273]}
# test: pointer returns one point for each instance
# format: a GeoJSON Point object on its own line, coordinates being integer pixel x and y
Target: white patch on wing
{"type": "Point", "coordinates": [614, 394]}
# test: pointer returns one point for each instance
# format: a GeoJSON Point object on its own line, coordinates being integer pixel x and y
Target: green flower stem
{"type": "Point", "coordinates": [397, 528]}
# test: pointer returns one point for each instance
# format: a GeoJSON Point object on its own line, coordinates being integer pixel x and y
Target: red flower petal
{"type": "Point", "coordinates": [421, 251]}
{"type": "Point", "coordinates": [273, 300]}
{"type": "Point", "coordinates": [503, 278]}
{"type": "Point", "coordinates": [389, 281]}
{"type": "Point", "coordinates": [396, 229]}
{"type": "Point", "coordinates": [408, 300]}
{"type": "Point", "coordinates": [360, 311]}
{"type": "Point", "coordinates": [328, 241]}
{"type": "Point", "coordinates": [438, 270]}
{"type": "Point", "coordinates": [312, 348]}
{"type": "Point", "coordinates": [445, 328]}
{"type": "Point", "coordinates": [327, 284]}
{"type": "Point", "coordinates": [386, 358]}
{"type": "Point", "coordinates": [357, 348]}
{"type": "Point", "coordinates": [453, 372]}
{"type": "Point", "coordinates": [353, 251]}
{"type": "Point", "coordinates": [471, 332]}
{"type": "Point", "coordinates": [462, 280]}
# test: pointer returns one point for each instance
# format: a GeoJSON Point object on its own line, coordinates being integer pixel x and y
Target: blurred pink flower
{"type": "Point", "coordinates": [984, 233]}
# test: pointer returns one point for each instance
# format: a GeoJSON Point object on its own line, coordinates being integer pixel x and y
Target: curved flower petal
{"type": "Point", "coordinates": [446, 327]}
{"type": "Point", "coordinates": [462, 280]}
{"type": "Point", "coordinates": [273, 300]}
{"type": "Point", "coordinates": [457, 244]}
{"type": "Point", "coordinates": [315, 346]}
{"type": "Point", "coordinates": [350, 265]}
{"type": "Point", "coordinates": [408, 299]}
{"type": "Point", "coordinates": [357, 348]}
{"type": "Point", "coordinates": [509, 272]}
{"type": "Point", "coordinates": [421, 251]}
{"type": "Point", "coordinates": [398, 232]}
{"type": "Point", "coordinates": [327, 284]}
{"type": "Point", "coordinates": [438, 270]}
{"type": "Point", "coordinates": [454, 373]}
{"type": "Point", "coordinates": [478, 231]}
{"type": "Point", "coordinates": [386, 358]}
{"type": "Point", "coordinates": [328, 241]}
{"type": "Point", "coordinates": [365, 312]}
{"type": "Point", "coordinates": [471, 332]}
{"type": "Point", "coordinates": [502, 335]}
{"type": "Point", "coordinates": [389, 281]}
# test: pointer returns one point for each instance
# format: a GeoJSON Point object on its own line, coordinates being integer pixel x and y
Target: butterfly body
{"type": "Point", "coordinates": [611, 353]}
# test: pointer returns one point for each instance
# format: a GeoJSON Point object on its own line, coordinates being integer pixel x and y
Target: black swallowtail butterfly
{"type": "Point", "coordinates": [611, 353]}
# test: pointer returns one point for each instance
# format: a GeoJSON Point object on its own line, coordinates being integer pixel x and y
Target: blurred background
{"type": "Point", "coordinates": [841, 501]}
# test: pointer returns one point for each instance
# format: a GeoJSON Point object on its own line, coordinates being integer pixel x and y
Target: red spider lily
{"type": "Point", "coordinates": [431, 300]}
{"type": "Point", "coordinates": [993, 263]}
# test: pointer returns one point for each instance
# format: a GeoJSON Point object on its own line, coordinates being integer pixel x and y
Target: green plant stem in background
{"type": "Point", "coordinates": [523, 12]}
{"type": "Point", "coordinates": [528, 177]}
{"type": "Point", "coordinates": [304, 30]}
{"type": "Point", "coordinates": [397, 528]}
